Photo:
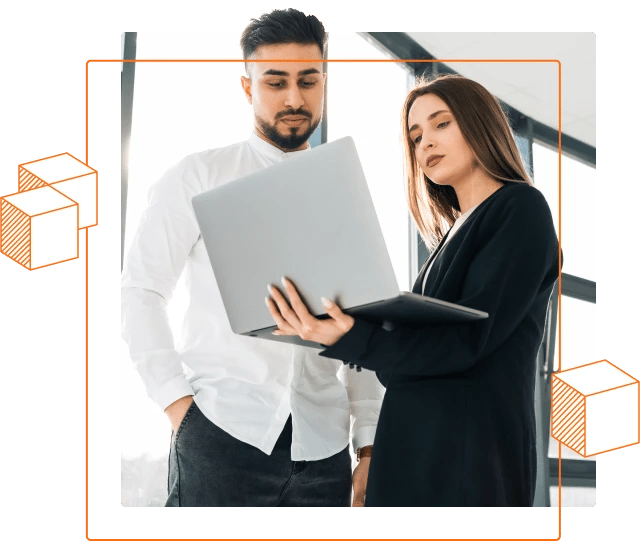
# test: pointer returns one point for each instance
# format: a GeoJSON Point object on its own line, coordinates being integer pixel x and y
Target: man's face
{"type": "Point", "coordinates": [287, 97]}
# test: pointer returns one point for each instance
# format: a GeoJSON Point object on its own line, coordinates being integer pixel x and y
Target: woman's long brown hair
{"type": "Point", "coordinates": [486, 130]}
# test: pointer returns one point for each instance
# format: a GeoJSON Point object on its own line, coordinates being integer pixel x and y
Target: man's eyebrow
{"type": "Point", "coordinates": [281, 73]}
{"type": "Point", "coordinates": [430, 117]}
{"type": "Point", "coordinates": [276, 72]}
{"type": "Point", "coordinates": [309, 71]}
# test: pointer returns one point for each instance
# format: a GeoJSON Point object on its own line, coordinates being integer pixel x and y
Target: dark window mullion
{"type": "Point", "coordinates": [578, 288]}
{"type": "Point", "coordinates": [127, 76]}
{"type": "Point", "coordinates": [571, 147]}
{"type": "Point", "coordinates": [575, 472]}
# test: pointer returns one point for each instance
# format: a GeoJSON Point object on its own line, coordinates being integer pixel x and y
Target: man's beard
{"type": "Point", "coordinates": [295, 139]}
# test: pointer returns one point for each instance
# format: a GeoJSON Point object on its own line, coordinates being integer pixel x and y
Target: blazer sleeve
{"type": "Point", "coordinates": [516, 248]}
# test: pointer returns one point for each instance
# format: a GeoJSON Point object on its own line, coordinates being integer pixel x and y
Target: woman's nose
{"type": "Point", "coordinates": [426, 143]}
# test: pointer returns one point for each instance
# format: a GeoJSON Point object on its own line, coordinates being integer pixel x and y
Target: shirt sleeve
{"type": "Point", "coordinates": [365, 398]}
{"type": "Point", "coordinates": [162, 243]}
{"type": "Point", "coordinates": [516, 251]}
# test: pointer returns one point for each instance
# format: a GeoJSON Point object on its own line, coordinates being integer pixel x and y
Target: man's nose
{"type": "Point", "coordinates": [294, 98]}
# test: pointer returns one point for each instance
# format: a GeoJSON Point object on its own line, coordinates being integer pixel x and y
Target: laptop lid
{"type": "Point", "coordinates": [309, 218]}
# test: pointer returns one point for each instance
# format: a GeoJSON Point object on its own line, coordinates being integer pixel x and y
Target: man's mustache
{"type": "Point", "coordinates": [293, 112]}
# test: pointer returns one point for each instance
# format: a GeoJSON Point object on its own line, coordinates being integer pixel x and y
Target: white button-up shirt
{"type": "Point", "coordinates": [246, 386]}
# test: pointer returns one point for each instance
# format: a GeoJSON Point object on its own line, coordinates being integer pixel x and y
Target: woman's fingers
{"type": "Point", "coordinates": [284, 309]}
{"type": "Point", "coordinates": [331, 308]}
{"type": "Point", "coordinates": [305, 318]}
{"type": "Point", "coordinates": [293, 317]}
{"type": "Point", "coordinates": [345, 321]}
{"type": "Point", "coordinates": [283, 326]}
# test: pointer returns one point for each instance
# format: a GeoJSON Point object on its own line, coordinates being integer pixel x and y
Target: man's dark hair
{"type": "Point", "coordinates": [282, 26]}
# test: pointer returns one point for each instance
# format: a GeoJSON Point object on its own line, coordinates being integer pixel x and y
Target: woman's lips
{"type": "Point", "coordinates": [434, 160]}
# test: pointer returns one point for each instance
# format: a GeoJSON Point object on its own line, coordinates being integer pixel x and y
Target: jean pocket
{"type": "Point", "coordinates": [184, 421]}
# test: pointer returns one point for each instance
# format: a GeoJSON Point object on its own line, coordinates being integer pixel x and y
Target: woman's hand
{"type": "Point", "coordinates": [295, 320]}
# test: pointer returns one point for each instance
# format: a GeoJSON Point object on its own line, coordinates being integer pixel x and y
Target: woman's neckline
{"type": "Point", "coordinates": [506, 183]}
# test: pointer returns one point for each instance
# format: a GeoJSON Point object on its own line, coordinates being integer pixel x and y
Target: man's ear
{"type": "Point", "coordinates": [246, 87]}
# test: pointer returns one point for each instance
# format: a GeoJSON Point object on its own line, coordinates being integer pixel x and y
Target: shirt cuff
{"type": "Point", "coordinates": [172, 390]}
{"type": "Point", "coordinates": [363, 437]}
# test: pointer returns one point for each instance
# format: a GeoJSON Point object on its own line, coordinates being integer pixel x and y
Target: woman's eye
{"type": "Point", "coordinates": [444, 124]}
{"type": "Point", "coordinates": [276, 85]}
{"type": "Point", "coordinates": [308, 84]}
{"type": "Point", "coordinates": [417, 139]}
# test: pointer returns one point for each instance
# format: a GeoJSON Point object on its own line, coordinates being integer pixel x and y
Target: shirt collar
{"type": "Point", "coordinates": [469, 211]}
{"type": "Point", "coordinates": [267, 149]}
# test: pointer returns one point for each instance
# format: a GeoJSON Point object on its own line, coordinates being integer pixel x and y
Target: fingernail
{"type": "Point", "coordinates": [284, 281]}
{"type": "Point", "coordinates": [326, 303]}
{"type": "Point", "coordinates": [266, 301]}
{"type": "Point", "coordinates": [270, 288]}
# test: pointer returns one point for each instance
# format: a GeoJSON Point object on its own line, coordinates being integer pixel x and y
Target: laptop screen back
{"type": "Point", "coordinates": [309, 218]}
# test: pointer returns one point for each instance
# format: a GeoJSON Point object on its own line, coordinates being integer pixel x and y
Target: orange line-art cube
{"type": "Point", "coordinates": [39, 227]}
{"type": "Point", "coordinates": [594, 408]}
{"type": "Point", "coordinates": [70, 177]}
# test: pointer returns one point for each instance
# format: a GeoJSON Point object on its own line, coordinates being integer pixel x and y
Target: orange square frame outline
{"type": "Point", "coordinates": [559, 65]}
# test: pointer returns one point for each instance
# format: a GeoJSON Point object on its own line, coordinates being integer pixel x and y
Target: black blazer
{"type": "Point", "coordinates": [457, 425]}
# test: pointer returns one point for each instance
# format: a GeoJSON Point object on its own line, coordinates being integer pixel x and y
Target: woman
{"type": "Point", "coordinates": [457, 424]}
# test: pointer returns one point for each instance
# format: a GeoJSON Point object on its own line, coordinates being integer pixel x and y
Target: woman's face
{"type": "Point", "coordinates": [441, 150]}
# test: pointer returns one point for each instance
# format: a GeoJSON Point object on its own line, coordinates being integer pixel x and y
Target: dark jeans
{"type": "Point", "coordinates": [210, 468]}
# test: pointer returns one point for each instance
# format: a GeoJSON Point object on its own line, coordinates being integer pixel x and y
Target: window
{"type": "Point", "coordinates": [364, 101]}
{"type": "Point", "coordinates": [578, 317]}
{"type": "Point", "coordinates": [579, 333]}
{"type": "Point", "coordinates": [574, 496]}
{"type": "Point", "coordinates": [579, 204]}
{"type": "Point", "coordinates": [179, 108]}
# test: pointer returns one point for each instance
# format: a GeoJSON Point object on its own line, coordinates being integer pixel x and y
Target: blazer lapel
{"type": "Point", "coordinates": [417, 286]}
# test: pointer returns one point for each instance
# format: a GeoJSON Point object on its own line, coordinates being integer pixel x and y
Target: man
{"type": "Point", "coordinates": [255, 422]}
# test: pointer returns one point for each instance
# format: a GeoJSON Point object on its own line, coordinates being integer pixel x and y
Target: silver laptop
{"type": "Point", "coordinates": [309, 218]}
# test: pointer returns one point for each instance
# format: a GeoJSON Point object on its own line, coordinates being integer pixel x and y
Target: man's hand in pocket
{"type": "Point", "coordinates": [177, 410]}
